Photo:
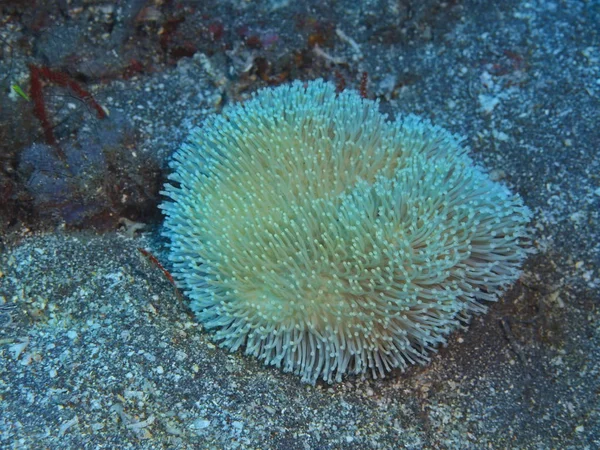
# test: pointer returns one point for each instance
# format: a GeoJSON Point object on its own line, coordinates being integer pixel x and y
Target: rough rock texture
{"type": "Point", "coordinates": [97, 351]}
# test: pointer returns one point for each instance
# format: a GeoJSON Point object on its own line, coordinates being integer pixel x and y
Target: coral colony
{"type": "Point", "coordinates": [324, 239]}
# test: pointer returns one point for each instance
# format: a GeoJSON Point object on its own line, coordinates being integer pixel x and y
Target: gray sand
{"type": "Point", "coordinates": [97, 351]}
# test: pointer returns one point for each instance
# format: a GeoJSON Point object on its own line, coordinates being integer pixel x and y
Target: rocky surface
{"type": "Point", "coordinates": [96, 348]}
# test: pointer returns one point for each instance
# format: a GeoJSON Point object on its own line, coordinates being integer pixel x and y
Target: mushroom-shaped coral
{"type": "Point", "coordinates": [325, 239]}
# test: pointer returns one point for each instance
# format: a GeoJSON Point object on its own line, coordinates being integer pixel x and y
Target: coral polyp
{"type": "Point", "coordinates": [327, 240]}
